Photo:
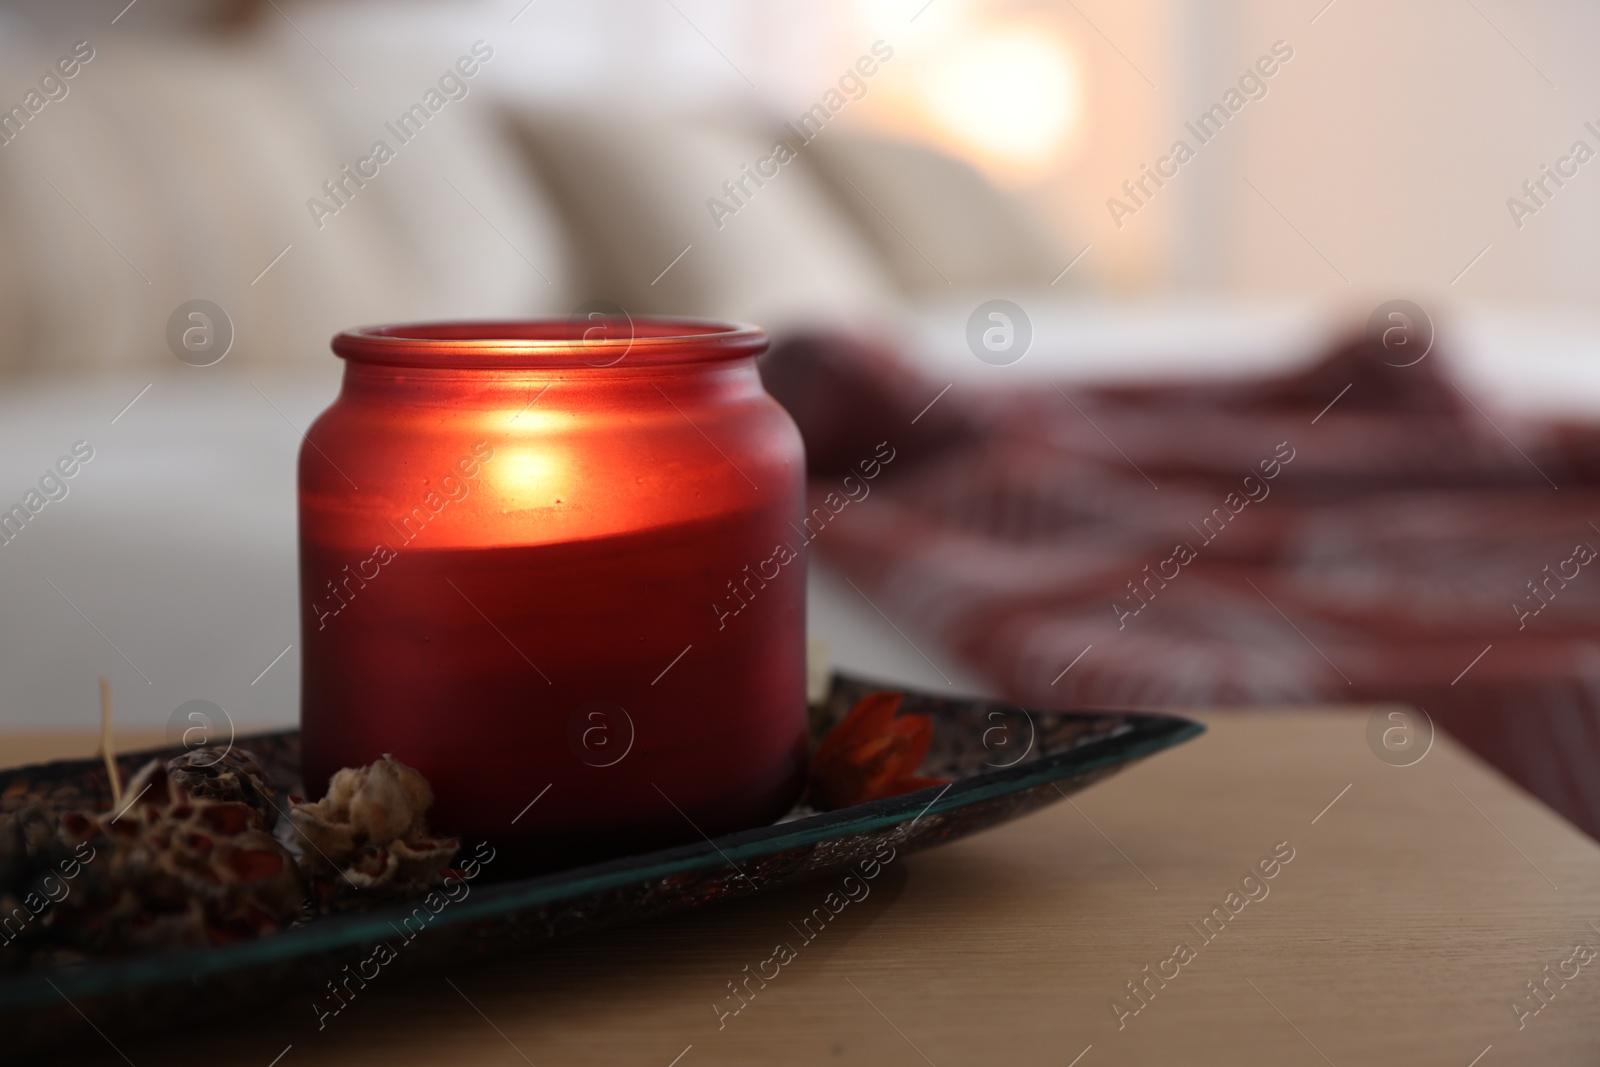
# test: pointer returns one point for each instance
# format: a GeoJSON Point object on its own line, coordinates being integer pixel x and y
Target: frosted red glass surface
{"type": "Point", "coordinates": [531, 559]}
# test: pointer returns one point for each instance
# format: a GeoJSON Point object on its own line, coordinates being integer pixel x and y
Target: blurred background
{"type": "Point", "coordinates": [1379, 160]}
{"type": "Point", "coordinates": [940, 154]}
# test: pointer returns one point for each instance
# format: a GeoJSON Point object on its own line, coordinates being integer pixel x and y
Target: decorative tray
{"type": "Point", "coordinates": [1002, 761]}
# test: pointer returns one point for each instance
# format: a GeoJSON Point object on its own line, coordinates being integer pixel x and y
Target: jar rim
{"type": "Point", "coordinates": [601, 340]}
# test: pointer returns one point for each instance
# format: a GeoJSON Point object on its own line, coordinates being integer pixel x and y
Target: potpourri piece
{"type": "Point", "coordinates": [190, 858]}
{"type": "Point", "coordinates": [369, 836]}
{"type": "Point", "coordinates": [173, 868]}
{"type": "Point", "coordinates": [871, 754]}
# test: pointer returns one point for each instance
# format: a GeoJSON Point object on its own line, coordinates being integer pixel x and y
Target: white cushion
{"type": "Point", "coordinates": [933, 220]}
{"type": "Point", "coordinates": [638, 189]}
{"type": "Point", "coordinates": [195, 160]}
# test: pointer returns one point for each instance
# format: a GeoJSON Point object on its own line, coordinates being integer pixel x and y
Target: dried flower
{"type": "Point", "coordinates": [187, 855]}
{"type": "Point", "coordinates": [176, 869]}
{"type": "Point", "coordinates": [870, 755]}
{"type": "Point", "coordinates": [371, 832]}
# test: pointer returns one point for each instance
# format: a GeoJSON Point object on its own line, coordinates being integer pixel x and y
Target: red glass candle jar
{"type": "Point", "coordinates": [536, 558]}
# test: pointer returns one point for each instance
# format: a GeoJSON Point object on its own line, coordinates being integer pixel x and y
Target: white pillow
{"type": "Point", "coordinates": [182, 167]}
{"type": "Point", "coordinates": [933, 220]}
{"type": "Point", "coordinates": [642, 190]}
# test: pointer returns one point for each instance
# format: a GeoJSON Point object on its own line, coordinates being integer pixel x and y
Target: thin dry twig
{"type": "Point", "coordinates": [106, 749]}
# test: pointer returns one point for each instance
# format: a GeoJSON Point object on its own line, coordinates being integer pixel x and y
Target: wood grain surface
{"type": "Point", "coordinates": [1411, 915]}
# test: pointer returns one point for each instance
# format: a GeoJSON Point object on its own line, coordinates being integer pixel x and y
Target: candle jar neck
{"type": "Point", "coordinates": [511, 390]}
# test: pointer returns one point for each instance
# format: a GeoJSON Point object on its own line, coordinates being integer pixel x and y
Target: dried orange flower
{"type": "Point", "coordinates": [870, 755]}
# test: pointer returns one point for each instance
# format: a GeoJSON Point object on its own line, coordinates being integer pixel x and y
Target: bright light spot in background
{"type": "Point", "coordinates": [899, 20]}
{"type": "Point", "coordinates": [1010, 95]}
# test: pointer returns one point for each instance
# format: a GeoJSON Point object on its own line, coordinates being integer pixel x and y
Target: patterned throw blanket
{"type": "Point", "coordinates": [1354, 532]}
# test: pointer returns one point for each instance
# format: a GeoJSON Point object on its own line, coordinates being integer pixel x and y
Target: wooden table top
{"type": "Point", "coordinates": [1408, 909]}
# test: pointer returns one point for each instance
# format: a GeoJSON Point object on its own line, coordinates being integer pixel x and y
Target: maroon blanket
{"type": "Point", "coordinates": [1352, 532]}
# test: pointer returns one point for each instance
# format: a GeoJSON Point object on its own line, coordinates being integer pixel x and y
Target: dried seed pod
{"type": "Point", "coordinates": [176, 869]}
{"type": "Point", "coordinates": [227, 774]}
